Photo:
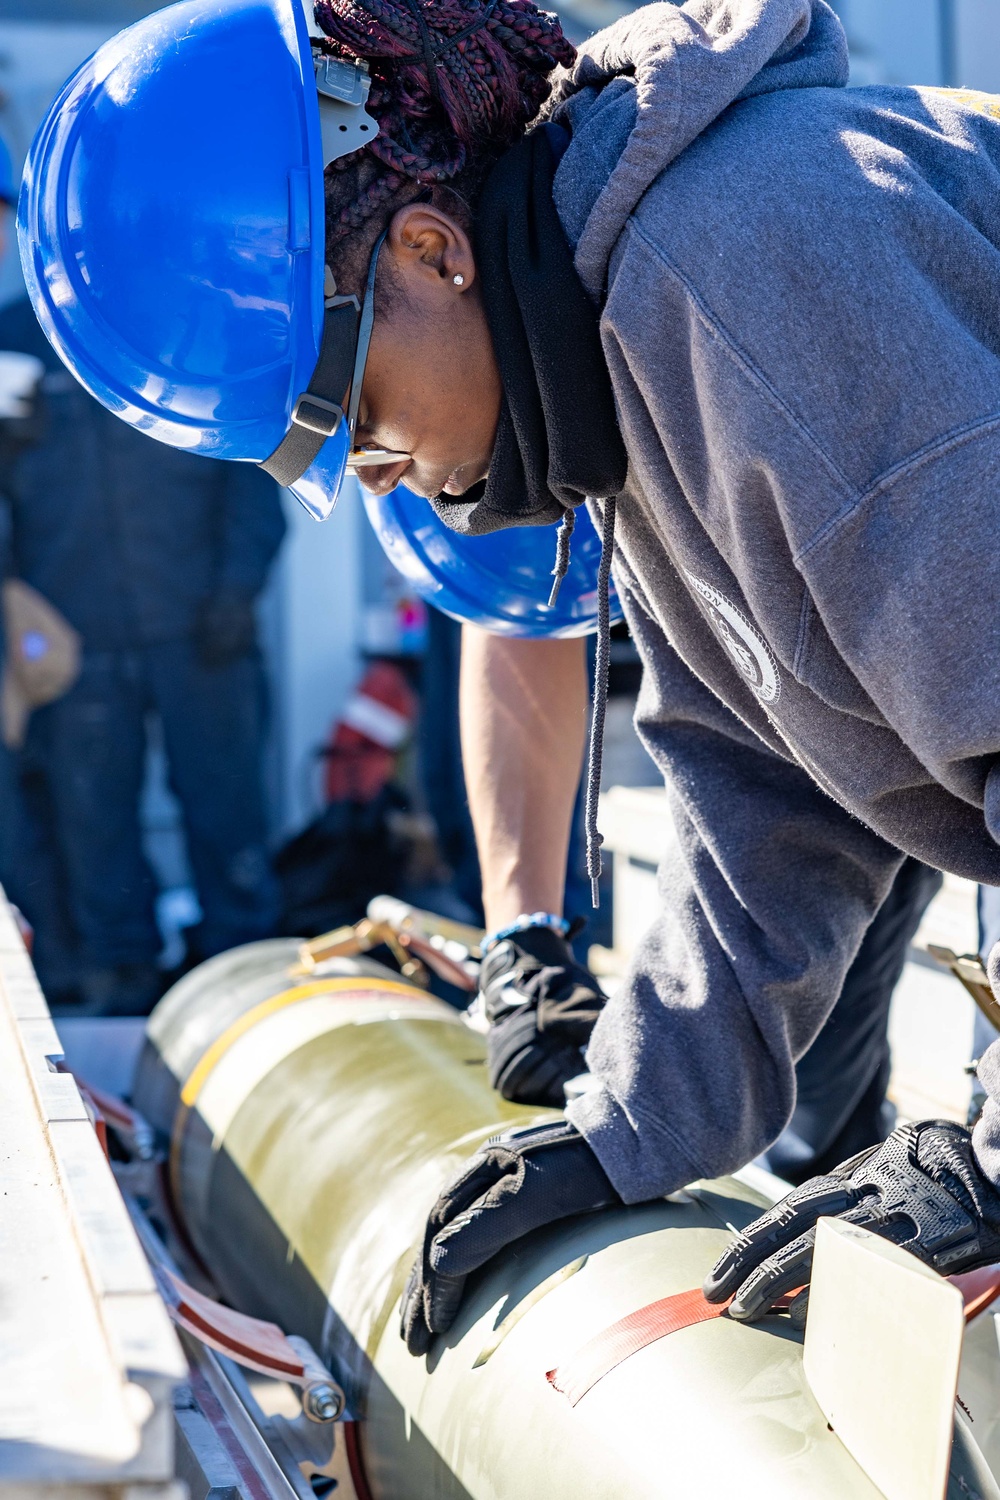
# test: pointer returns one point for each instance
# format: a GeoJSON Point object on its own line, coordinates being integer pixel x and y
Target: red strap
{"type": "Point", "coordinates": [608, 1349]}
{"type": "Point", "coordinates": [605, 1350]}
{"type": "Point", "coordinates": [602, 1353]}
{"type": "Point", "coordinates": [355, 1462]}
{"type": "Point", "coordinates": [979, 1289]}
{"type": "Point", "coordinates": [249, 1341]}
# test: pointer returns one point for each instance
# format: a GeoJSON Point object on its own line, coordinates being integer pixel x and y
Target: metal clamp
{"type": "Point", "coordinates": [342, 90]}
{"type": "Point", "coordinates": [323, 1400]}
{"type": "Point", "coordinates": [970, 971]}
{"type": "Point", "coordinates": [413, 951]}
{"type": "Point", "coordinates": [346, 82]}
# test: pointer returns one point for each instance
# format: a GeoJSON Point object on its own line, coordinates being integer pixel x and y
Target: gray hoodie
{"type": "Point", "coordinates": [801, 315]}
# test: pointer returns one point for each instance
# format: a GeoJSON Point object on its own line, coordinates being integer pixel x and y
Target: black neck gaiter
{"type": "Point", "coordinates": [558, 441]}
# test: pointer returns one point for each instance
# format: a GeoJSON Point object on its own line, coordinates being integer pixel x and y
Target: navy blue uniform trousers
{"type": "Point", "coordinates": [841, 1081]}
{"type": "Point", "coordinates": [84, 766]}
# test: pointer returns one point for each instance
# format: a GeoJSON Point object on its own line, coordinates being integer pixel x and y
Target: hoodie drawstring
{"type": "Point", "coordinates": [561, 568]}
{"type": "Point", "coordinates": [602, 666]}
{"type": "Point", "coordinates": [600, 702]}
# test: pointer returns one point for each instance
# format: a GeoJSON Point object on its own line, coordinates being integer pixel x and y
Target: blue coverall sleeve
{"type": "Point", "coordinates": [251, 527]}
{"type": "Point", "coordinates": [767, 893]}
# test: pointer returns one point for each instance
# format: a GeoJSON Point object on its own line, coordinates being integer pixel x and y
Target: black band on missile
{"type": "Point", "coordinates": [317, 413]}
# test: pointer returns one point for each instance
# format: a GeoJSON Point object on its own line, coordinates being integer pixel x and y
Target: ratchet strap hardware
{"type": "Point", "coordinates": [414, 951]}
{"type": "Point", "coordinates": [970, 971]}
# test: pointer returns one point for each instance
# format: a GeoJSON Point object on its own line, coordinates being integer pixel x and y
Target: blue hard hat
{"type": "Point", "coordinates": [7, 193]}
{"type": "Point", "coordinates": [172, 228]}
{"type": "Point", "coordinates": [500, 582]}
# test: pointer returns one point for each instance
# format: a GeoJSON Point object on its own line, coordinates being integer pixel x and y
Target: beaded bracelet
{"type": "Point", "coordinates": [521, 924]}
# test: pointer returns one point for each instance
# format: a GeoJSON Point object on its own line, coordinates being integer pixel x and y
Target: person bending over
{"type": "Point", "coordinates": [751, 318]}
{"type": "Point", "coordinates": [748, 315]}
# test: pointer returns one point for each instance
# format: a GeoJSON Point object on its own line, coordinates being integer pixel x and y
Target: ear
{"type": "Point", "coordinates": [431, 250]}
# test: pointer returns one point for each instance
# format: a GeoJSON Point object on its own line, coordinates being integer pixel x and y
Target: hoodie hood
{"type": "Point", "coordinates": [642, 90]}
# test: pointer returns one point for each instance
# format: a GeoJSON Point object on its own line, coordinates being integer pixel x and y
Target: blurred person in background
{"type": "Point", "coordinates": [19, 377]}
{"type": "Point", "coordinates": [7, 793]}
{"type": "Point", "coordinates": [155, 558]}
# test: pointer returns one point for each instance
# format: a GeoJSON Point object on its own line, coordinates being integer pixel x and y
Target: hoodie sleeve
{"type": "Point", "coordinates": [907, 588]}
{"type": "Point", "coordinates": [918, 550]}
{"type": "Point", "coordinates": [767, 894]}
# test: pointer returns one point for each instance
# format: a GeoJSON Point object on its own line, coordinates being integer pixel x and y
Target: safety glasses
{"type": "Point", "coordinates": [366, 458]}
{"type": "Point", "coordinates": [321, 444]}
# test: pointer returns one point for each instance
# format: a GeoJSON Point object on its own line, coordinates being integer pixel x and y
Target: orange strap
{"type": "Point", "coordinates": [605, 1350]}
{"type": "Point", "coordinates": [610, 1348]}
{"type": "Point", "coordinates": [979, 1289]}
{"type": "Point", "coordinates": [249, 1341]}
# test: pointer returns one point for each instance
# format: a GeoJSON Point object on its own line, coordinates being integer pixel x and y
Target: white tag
{"type": "Point", "coordinates": [883, 1344]}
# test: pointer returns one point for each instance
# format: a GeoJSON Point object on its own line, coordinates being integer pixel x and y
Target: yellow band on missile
{"type": "Point", "coordinates": [243, 1024]}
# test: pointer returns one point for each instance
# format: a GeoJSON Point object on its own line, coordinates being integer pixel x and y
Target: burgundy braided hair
{"type": "Point", "coordinates": [454, 83]}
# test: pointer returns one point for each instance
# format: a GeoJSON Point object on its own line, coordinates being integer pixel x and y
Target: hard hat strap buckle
{"type": "Point", "coordinates": [317, 415]}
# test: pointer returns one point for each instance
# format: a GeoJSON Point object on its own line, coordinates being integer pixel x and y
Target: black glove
{"type": "Point", "coordinates": [541, 1005]}
{"type": "Point", "coordinates": [921, 1188]}
{"type": "Point", "coordinates": [515, 1183]}
{"type": "Point", "coordinates": [226, 627]}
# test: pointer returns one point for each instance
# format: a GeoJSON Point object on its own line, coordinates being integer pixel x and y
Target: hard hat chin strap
{"type": "Point", "coordinates": [342, 91]}
{"type": "Point", "coordinates": [317, 413]}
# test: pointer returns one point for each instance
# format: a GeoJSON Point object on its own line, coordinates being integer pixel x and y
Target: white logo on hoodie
{"type": "Point", "coordinates": [742, 640]}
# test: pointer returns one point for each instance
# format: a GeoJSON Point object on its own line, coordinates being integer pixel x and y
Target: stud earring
{"type": "Point", "coordinates": [459, 280]}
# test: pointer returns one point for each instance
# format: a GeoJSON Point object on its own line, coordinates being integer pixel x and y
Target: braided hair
{"type": "Point", "coordinates": [453, 84]}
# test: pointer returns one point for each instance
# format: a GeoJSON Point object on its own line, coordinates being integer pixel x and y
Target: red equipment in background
{"type": "Point", "coordinates": [376, 722]}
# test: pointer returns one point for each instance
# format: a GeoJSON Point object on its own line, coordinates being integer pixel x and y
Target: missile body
{"type": "Point", "coordinates": [312, 1123]}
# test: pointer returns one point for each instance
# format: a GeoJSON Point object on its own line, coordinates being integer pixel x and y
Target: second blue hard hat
{"type": "Point", "coordinates": [500, 582]}
{"type": "Point", "coordinates": [8, 193]}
